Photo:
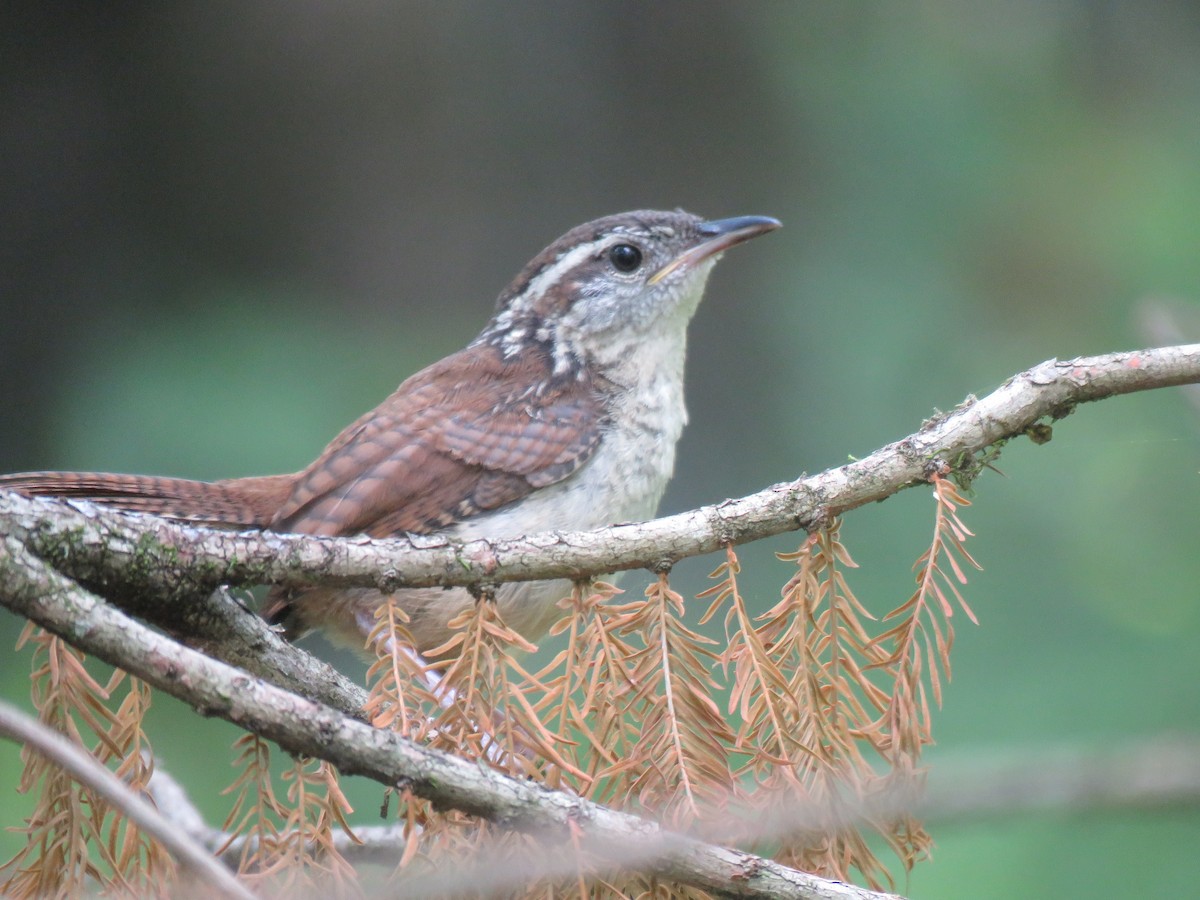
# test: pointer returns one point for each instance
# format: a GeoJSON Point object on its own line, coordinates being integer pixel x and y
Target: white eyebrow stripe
{"type": "Point", "coordinates": [540, 283]}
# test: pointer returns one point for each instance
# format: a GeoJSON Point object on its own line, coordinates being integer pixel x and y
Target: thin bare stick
{"type": "Point", "coordinates": [1161, 772]}
{"type": "Point", "coordinates": [1154, 773]}
{"type": "Point", "coordinates": [78, 763]}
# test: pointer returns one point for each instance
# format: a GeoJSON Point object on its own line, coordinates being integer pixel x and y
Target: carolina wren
{"type": "Point", "coordinates": [562, 415]}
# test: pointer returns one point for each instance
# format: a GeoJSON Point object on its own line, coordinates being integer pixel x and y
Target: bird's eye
{"type": "Point", "coordinates": [625, 257]}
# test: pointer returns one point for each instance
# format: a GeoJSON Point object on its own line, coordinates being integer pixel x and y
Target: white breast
{"type": "Point", "coordinates": [625, 478]}
{"type": "Point", "coordinates": [622, 482]}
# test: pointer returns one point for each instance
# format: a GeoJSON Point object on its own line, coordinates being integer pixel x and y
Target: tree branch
{"type": "Point", "coordinates": [79, 764]}
{"type": "Point", "coordinates": [1148, 774]}
{"type": "Point", "coordinates": [156, 557]}
{"type": "Point", "coordinates": [1161, 772]}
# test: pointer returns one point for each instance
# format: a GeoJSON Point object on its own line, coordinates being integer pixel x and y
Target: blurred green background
{"type": "Point", "coordinates": [230, 228]}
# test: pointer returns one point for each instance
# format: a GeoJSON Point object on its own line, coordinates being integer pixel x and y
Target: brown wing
{"type": "Point", "coordinates": [469, 434]}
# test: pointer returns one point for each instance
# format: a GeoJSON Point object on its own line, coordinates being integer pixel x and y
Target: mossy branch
{"type": "Point", "coordinates": [139, 556]}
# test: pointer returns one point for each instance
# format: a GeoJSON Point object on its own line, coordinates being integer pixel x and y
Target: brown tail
{"type": "Point", "coordinates": [247, 502]}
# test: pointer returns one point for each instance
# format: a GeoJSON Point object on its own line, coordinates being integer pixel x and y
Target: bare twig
{"type": "Point", "coordinates": [78, 763]}
{"type": "Point", "coordinates": [221, 626]}
{"type": "Point", "coordinates": [1167, 320]}
{"type": "Point", "coordinates": [1152, 773]}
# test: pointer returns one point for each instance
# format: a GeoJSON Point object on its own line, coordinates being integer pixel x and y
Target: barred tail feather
{"type": "Point", "coordinates": [245, 502]}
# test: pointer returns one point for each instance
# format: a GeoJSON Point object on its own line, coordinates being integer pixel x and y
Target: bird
{"type": "Point", "coordinates": [563, 414]}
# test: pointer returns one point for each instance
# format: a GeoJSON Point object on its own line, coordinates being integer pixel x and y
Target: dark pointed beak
{"type": "Point", "coordinates": [717, 237]}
